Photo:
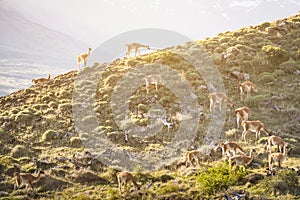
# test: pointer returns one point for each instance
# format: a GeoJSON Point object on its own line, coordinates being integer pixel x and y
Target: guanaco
{"type": "Point", "coordinates": [253, 126]}
{"type": "Point", "coordinates": [26, 179]}
{"type": "Point", "coordinates": [220, 98]}
{"type": "Point", "coordinates": [136, 47]}
{"type": "Point", "coordinates": [40, 80]}
{"type": "Point", "coordinates": [277, 157]}
{"type": "Point", "coordinates": [196, 155]}
{"type": "Point", "coordinates": [83, 58]}
{"type": "Point", "coordinates": [228, 147]}
{"type": "Point", "coordinates": [242, 114]}
{"type": "Point", "coordinates": [242, 160]}
{"type": "Point", "coordinates": [247, 87]}
{"type": "Point", "coordinates": [125, 177]}
{"type": "Point", "coordinates": [153, 79]}
{"type": "Point", "coordinates": [276, 140]}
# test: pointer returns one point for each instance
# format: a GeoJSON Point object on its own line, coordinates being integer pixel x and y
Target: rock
{"type": "Point", "coordinates": [297, 72]}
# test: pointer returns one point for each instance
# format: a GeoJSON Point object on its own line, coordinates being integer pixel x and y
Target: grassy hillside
{"type": "Point", "coordinates": [58, 121]}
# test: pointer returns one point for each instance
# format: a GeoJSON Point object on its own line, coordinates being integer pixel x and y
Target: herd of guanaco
{"type": "Point", "coordinates": [232, 150]}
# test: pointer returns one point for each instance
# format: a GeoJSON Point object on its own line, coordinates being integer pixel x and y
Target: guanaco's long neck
{"type": "Point", "coordinates": [284, 151]}
{"type": "Point", "coordinates": [89, 52]}
{"type": "Point", "coordinates": [37, 177]}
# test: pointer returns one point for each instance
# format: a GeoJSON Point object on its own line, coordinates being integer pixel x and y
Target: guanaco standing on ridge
{"type": "Point", "coordinates": [233, 147]}
{"type": "Point", "coordinates": [242, 160]}
{"type": "Point", "coordinates": [277, 157]}
{"type": "Point", "coordinates": [124, 178]}
{"type": "Point", "coordinates": [153, 79]}
{"type": "Point", "coordinates": [242, 114]}
{"type": "Point", "coordinates": [253, 126]}
{"type": "Point", "coordinates": [40, 80]}
{"type": "Point", "coordinates": [276, 140]}
{"type": "Point", "coordinates": [196, 155]}
{"type": "Point", "coordinates": [83, 58]}
{"type": "Point", "coordinates": [220, 98]}
{"type": "Point", "coordinates": [247, 87]}
{"type": "Point", "coordinates": [136, 47]}
{"type": "Point", "coordinates": [26, 179]}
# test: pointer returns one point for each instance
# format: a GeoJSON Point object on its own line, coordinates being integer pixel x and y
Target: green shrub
{"type": "Point", "coordinates": [286, 181]}
{"type": "Point", "coordinates": [40, 106]}
{"type": "Point", "coordinates": [49, 135]}
{"type": "Point", "coordinates": [275, 54]}
{"type": "Point", "coordinates": [254, 101]}
{"type": "Point", "coordinates": [289, 66]}
{"type": "Point", "coordinates": [90, 119]}
{"type": "Point", "coordinates": [52, 104]}
{"type": "Point", "coordinates": [224, 39]}
{"type": "Point", "coordinates": [168, 188]}
{"type": "Point", "coordinates": [65, 107]}
{"type": "Point", "coordinates": [279, 73]}
{"type": "Point", "coordinates": [20, 151]}
{"type": "Point", "coordinates": [143, 107]}
{"type": "Point", "coordinates": [296, 42]}
{"type": "Point", "coordinates": [267, 78]}
{"type": "Point", "coordinates": [75, 141]}
{"type": "Point", "coordinates": [219, 177]}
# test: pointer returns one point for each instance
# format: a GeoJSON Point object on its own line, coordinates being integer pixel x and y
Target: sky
{"type": "Point", "coordinates": [95, 21]}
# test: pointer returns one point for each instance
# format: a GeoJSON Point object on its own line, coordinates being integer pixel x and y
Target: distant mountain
{"type": "Point", "coordinates": [29, 50]}
{"type": "Point", "coordinates": [23, 39]}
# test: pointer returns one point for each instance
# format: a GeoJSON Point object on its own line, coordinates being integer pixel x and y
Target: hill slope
{"type": "Point", "coordinates": [54, 121]}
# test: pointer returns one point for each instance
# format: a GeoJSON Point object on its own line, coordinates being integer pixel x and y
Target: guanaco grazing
{"type": "Point", "coordinates": [40, 80]}
{"type": "Point", "coordinates": [276, 140]}
{"type": "Point", "coordinates": [153, 79]}
{"type": "Point", "coordinates": [124, 178]}
{"type": "Point", "coordinates": [247, 87]}
{"type": "Point", "coordinates": [253, 126]}
{"type": "Point", "coordinates": [83, 58]}
{"type": "Point", "coordinates": [228, 147]}
{"type": "Point", "coordinates": [196, 155]}
{"type": "Point", "coordinates": [277, 157]}
{"type": "Point", "coordinates": [26, 179]}
{"type": "Point", "coordinates": [136, 47]}
{"type": "Point", "coordinates": [242, 114]}
{"type": "Point", "coordinates": [220, 98]}
{"type": "Point", "coordinates": [242, 160]}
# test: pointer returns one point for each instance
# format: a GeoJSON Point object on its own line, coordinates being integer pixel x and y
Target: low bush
{"type": "Point", "coordinates": [285, 182]}
{"type": "Point", "coordinates": [75, 141]}
{"type": "Point", "coordinates": [289, 66]}
{"type": "Point", "coordinates": [49, 135]}
{"type": "Point", "coordinates": [254, 101]}
{"type": "Point", "coordinates": [219, 177]}
{"type": "Point", "coordinates": [267, 78]}
{"type": "Point", "coordinates": [275, 54]}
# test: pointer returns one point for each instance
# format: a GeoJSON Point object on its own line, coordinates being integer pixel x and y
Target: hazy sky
{"type": "Point", "coordinates": [95, 21]}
